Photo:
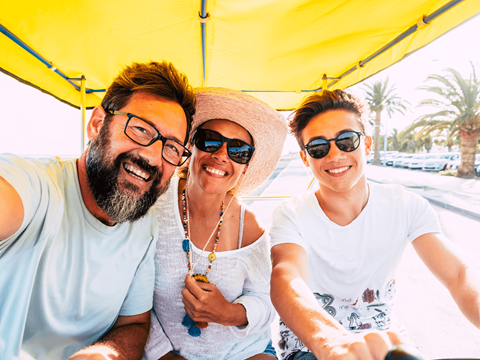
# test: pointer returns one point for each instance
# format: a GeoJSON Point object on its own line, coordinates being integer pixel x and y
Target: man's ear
{"type": "Point", "coordinates": [96, 122]}
{"type": "Point", "coordinates": [368, 145]}
{"type": "Point", "coordinates": [303, 155]}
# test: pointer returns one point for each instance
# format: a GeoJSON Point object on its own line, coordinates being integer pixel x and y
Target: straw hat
{"type": "Point", "coordinates": [267, 127]}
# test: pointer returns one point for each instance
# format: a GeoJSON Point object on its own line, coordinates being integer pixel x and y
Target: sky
{"type": "Point", "coordinates": [36, 124]}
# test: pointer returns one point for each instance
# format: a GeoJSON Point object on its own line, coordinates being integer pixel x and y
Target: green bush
{"type": "Point", "coordinates": [448, 172]}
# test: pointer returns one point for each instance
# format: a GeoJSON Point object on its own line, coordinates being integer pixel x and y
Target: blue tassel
{"type": "Point", "coordinates": [194, 331]}
{"type": "Point", "coordinates": [187, 321]}
{"type": "Point", "coordinates": [186, 245]}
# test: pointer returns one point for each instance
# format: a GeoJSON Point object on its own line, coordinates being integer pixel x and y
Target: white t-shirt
{"type": "Point", "coordinates": [352, 268]}
{"type": "Point", "coordinates": [241, 275]}
{"type": "Point", "coordinates": [64, 275]}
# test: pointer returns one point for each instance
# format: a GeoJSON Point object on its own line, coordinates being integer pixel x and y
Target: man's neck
{"type": "Point", "coordinates": [87, 194]}
{"type": "Point", "coordinates": [343, 207]}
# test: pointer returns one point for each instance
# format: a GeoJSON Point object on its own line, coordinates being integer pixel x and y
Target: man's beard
{"type": "Point", "coordinates": [123, 204]}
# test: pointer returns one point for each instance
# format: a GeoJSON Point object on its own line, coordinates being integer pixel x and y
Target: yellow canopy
{"type": "Point", "coordinates": [278, 50]}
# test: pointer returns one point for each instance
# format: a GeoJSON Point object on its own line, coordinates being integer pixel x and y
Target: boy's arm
{"type": "Point", "coordinates": [300, 311]}
{"type": "Point", "coordinates": [11, 210]}
{"type": "Point", "coordinates": [462, 281]}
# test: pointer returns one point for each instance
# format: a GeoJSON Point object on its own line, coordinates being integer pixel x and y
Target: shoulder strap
{"type": "Point", "coordinates": [240, 228]}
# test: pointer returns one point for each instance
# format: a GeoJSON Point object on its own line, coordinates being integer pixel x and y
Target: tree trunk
{"type": "Point", "coordinates": [376, 157]}
{"type": "Point", "coordinates": [468, 148]}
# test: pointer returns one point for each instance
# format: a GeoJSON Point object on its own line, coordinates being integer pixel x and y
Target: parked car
{"type": "Point", "coordinates": [385, 155]}
{"type": "Point", "coordinates": [398, 161]}
{"type": "Point", "coordinates": [390, 159]}
{"type": "Point", "coordinates": [453, 165]}
{"type": "Point", "coordinates": [407, 160]}
{"type": "Point", "coordinates": [417, 161]}
{"type": "Point", "coordinates": [478, 170]}
{"type": "Point", "coordinates": [440, 161]}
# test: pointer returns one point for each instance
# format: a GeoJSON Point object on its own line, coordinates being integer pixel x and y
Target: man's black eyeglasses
{"type": "Point", "coordinates": [348, 141]}
{"type": "Point", "coordinates": [141, 132]}
{"type": "Point", "coordinates": [210, 141]}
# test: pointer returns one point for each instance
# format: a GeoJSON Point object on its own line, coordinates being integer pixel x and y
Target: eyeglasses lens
{"type": "Point", "coordinates": [348, 141]}
{"type": "Point", "coordinates": [318, 148]}
{"type": "Point", "coordinates": [142, 133]}
{"type": "Point", "coordinates": [239, 151]}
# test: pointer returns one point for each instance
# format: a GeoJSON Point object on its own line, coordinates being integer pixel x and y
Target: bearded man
{"type": "Point", "coordinates": [77, 236]}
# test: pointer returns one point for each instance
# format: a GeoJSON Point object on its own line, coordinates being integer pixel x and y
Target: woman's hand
{"type": "Point", "coordinates": [205, 303]}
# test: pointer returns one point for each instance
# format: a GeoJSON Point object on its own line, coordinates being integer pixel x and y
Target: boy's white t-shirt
{"type": "Point", "coordinates": [65, 277]}
{"type": "Point", "coordinates": [352, 268]}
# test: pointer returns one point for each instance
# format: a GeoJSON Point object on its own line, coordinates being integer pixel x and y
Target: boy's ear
{"type": "Point", "coordinates": [368, 145]}
{"type": "Point", "coordinates": [96, 122]}
{"type": "Point", "coordinates": [304, 157]}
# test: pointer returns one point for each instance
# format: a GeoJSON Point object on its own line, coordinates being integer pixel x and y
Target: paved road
{"type": "Point", "coordinates": [423, 305]}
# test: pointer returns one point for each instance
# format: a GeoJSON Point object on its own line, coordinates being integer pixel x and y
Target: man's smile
{"type": "Point", "coordinates": [338, 170]}
{"type": "Point", "coordinates": [136, 172]}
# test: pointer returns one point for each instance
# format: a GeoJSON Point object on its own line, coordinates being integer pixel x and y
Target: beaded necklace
{"type": "Point", "coordinates": [193, 326]}
{"type": "Point", "coordinates": [186, 243]}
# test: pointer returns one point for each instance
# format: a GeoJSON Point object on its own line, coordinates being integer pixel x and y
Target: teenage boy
{"type": "Point", "coordinates": [335, 251]}
{"type": "Point", "coordinates": [77, 236]}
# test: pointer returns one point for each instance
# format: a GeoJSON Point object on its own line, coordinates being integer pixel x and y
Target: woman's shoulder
{"type": "Point", "coordinates": [252, 228]}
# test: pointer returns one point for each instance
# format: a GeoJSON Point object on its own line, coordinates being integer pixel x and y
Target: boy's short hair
{"type": "Point", "coordinates": [322, 102]}
{"type": "Point", "coordinates": [155, 78]}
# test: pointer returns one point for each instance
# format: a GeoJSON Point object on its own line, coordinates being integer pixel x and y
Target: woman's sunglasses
{"type": "Point", "coordinates": [210, 141]}
{"type": "Point", "coordinates": [348, 141]}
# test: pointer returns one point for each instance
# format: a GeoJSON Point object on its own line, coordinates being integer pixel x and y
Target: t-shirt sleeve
{"type": "Point", "coordinates": [422, 218]}
{"type": "Point", "coordinates": [29, 182]}
{"type": "Point", "coordinates": [140, 294]}
{"type": "Point", "coordinates": [285, 227]}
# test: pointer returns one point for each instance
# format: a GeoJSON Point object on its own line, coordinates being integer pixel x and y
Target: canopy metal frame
{"type": "Point", "coordinates": [204, 16]}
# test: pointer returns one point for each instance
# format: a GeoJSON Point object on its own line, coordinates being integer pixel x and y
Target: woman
{"type": "Point", "coordinates": [206, 232]}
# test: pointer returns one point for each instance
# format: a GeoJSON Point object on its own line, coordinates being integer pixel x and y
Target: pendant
{"type": "Point", "coordinates": [212, 257]}
{"type": "Point", "coordinates": [186, 245]}
{"type": "Point", "coordinates": [193, 326]}
{"type": "Point", "coordinates": [201, 278]}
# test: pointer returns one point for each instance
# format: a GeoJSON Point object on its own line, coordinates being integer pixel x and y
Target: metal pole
{"type": "Point", "coordinates": [83, 105]}
{"type": "Point", "coordinates": [385, 142]}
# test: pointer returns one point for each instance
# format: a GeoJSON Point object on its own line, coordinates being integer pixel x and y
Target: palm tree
{"type": "Point", "coordinates": [458, 102]}
{"type": "Point", "coordinates": [380, 97]}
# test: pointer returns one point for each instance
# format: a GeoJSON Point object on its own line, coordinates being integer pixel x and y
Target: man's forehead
{"type": "Point", "coordinates": [332, 123]}
{"type": "Point", "coordinates": [166, 115]}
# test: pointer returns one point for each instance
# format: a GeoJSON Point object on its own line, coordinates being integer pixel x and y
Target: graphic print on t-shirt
{"type": "Point", "coordinates": [289, 343]}
{"type": "Point", "coordinates": [370, 310]}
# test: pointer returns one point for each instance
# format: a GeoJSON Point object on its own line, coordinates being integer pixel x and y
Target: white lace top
{"type": "Point", "coordinates": [242, 275]}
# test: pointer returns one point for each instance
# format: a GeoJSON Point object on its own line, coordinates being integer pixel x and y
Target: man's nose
{"type": "Point", "coordinates": [334, 154]}
{"type": "Point", "coordinates": [222, 153]}
{"type": "Point", "coordinates": [153, 153]}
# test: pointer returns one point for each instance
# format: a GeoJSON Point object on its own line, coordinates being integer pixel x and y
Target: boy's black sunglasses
{"type": "Point", "coordinates": [319, 147]}
{"type": "Point", "coordinates": [210, 141]}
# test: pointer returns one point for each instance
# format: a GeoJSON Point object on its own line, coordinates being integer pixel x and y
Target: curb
{"type": "Point", "coordinates": [471, 214]}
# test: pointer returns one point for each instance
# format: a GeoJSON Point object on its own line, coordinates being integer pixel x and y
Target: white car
{"type": "Point", "coordinates": [417, 161]}
{"type": "Point", "coordinates": [399, 161]}
{"type": "Point", "coordinates": [455, 164]}
{"type": "Point", "coordinates": [439, 161]}
{"type": "Point", "coordinates": [390, 159]}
